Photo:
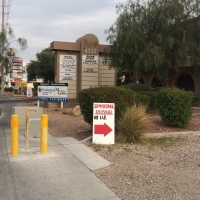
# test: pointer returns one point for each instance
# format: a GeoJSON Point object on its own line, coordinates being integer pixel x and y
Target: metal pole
{"type": "Point", "coordinates": [2, 51]}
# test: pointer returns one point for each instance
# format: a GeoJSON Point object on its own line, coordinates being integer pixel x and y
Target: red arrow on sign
{"type": "Point", "coordinates": [102, 129]}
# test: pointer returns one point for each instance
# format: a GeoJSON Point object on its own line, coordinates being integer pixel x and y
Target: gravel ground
{"type": "Point", "coordinates": [150, 172]}
{"type": "Point", "coordinates": [143, 172]}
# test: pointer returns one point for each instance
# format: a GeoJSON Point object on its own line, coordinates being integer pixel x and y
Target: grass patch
{"type": "Point", "coordinates": [132, 125]}
{"type": "Point", "coordinates": [163, 141]}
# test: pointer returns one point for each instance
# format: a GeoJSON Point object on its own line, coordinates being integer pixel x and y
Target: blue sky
{"type": "Point", "coordinates": [44, 21]}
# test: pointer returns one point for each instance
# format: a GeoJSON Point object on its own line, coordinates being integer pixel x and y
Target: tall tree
{"type": "Point", "coordinates": [43, 67]}
{"type": "Point", "coordinates": [7, 37]}
{"type": "Point", "coordinates": [157, 36]}
{"type": "Point", "coordinates": [32, 68]}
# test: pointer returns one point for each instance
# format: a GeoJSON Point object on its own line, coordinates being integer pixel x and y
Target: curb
{"type": "Point", "coordinates": [20, 97]}
{"type": "Point", "coordinates": [172, 134]}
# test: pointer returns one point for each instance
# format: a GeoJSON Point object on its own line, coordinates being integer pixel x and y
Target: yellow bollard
{"type": "Point", "coordinates": [44, 134]}
{"type": "Point", "coordinates": [14, 135]}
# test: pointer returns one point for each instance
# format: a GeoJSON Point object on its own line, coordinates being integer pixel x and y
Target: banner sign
{"type": "Point", "coordinates": [16, 74]}
{"type": "Point", "coordinates": [17, 61]}
{"type": "Point", "coordinates": [103, 123]}
{"type": "Point", "coordinates": [53, 92]}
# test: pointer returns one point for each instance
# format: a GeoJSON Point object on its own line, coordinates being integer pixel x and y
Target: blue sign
{"type": "Point", "coordinates": [57, 92]}
{"type": "Point", "coordinates": [52, 99]}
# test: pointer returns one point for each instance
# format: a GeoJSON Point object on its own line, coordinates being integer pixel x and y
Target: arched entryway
{"type": "Point", "coordinates": [156, 82]}
{"type": "Point", "coordinates": [186, 82]}
{"type": "Point", "coordinates": [141, 80]}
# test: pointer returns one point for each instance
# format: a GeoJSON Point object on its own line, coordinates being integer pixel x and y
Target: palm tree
{"type": "Point", "coordinates": [6, 38]}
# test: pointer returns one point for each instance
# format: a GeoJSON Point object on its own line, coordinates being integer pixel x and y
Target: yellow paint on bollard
{"type": "Point", "coordinates": [44, 134]}
{"type": "Point", "coordinates": [14, 135]}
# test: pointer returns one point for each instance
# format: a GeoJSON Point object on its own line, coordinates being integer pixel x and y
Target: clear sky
{"type": "Point", "coordinates": [44, 21]}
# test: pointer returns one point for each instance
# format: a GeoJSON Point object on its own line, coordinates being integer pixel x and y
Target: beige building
{"type": "Point", "coordinates": [82, 65]}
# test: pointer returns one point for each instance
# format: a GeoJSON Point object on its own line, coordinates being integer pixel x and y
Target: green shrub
{"type": "Point", "coordinates": [8, 89]}
{"type": "Point", "coordinates": [35, 85]}
{"type": "Point", "coordinates": [142, 89]}
{"type": "Point", "coordinates": [142, 99]}
{"type": "Point", "coordinates": [175, 106]}
{"type": "Point", "coordinates": [11, 89]}
{"type": "Point", "coordinates": [152, 98]}
{"type": "Point", "coordinates": [137, 87]}
{"type": "Point", "coordinates": [196, 101]}
{"type": "Point", "coordinates": [159, 88]}
{"type": "Point", "coordinates": [122, 98]}
{"type": "Point", "coordinates": [132, 124]}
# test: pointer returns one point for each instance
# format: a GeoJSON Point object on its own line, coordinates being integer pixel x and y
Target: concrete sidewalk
{"type": "Point", "coordinates": [64, 173]}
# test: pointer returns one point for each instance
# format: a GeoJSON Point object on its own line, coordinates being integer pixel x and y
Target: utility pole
{"type": "Point", "coordinates": [2, 51]}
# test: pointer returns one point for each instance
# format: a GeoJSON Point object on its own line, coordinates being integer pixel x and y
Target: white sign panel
{"type": "Point", "coordinates": [103, 123]}
{"type": "Point", "coordinates": [53, 92]}
{"type": "Point", "coordinates": [29, 92]}
{"type": "Point", "coordinates": [90, 59]}
{"type": "Point", "coordinates": [67, 70]}
{"type": "Point", "coordinates": [67, 76]}
{"type": "Point", "coordinates": [68, 61]}
{"type": "Point", "coordinates": [68, 65]}
{"type": "Point", "coordinates": [105, 60]}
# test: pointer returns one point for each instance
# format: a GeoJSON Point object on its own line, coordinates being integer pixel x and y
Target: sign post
{"type": "Point", "coordinates": [103, 123]}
